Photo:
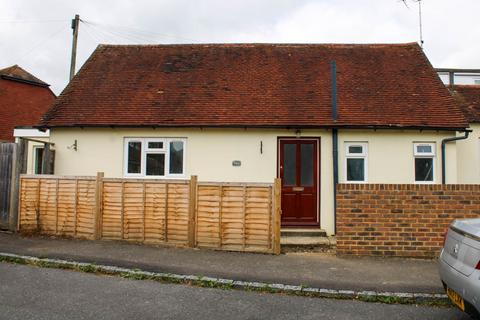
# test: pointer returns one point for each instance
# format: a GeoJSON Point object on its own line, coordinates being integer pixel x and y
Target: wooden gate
{"type": "Point", "coordinates": [6, 160]}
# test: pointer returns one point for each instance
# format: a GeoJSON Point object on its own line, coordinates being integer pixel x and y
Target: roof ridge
{"type": "Point", "coordinates": [258, 44]}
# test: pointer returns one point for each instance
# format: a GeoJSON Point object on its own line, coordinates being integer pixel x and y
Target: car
{"type": "Point", "coordinates": [459, 265]}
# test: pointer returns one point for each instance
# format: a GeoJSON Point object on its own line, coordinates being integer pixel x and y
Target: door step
{"type": "Point", "coordinates": [306, 240]}
{"type": "Point", "coordinates": [303, 233]}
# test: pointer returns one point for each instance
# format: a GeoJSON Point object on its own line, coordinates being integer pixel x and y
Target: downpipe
{"type": "Point", "coordinates": [444, 143]}
{"type": "Point", "coordinates": [335, 176]}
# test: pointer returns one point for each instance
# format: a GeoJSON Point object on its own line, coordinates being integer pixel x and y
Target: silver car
{"type": "Point", "coordinates": [460, 265]}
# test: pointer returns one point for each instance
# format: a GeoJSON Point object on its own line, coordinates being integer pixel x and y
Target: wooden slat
{"type": "Point", "coordinates": [165, 231]}
{"type": "Point", "coordinates": [244, 216]}
{"type": "Point", "coordinates": [75, 216]}
{"type": "Point", "coordinates": [56, 205]}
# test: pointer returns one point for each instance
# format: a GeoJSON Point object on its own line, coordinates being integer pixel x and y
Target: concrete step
{"type": "Point", "coordinates": [306, 240]}
{"type": "Point", "coordinates": [303, 233]}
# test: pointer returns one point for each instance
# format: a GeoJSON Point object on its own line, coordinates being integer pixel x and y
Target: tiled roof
{"type": "Point", "coordinates": [17, 73]}
{"type": "Point", "coordinates": [22, 103]}
{"type": "Point", "coordinates": [256, 85]}
{"type": "Point", "coordinates": [468, 97]}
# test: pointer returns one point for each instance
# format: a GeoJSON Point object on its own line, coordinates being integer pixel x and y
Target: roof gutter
{"type": "Point", "coordinates": [34, 83]}
{"type": "Point", "coordinates": [243, 126]}
{"type": "Point", "coordinates": [444, 143]}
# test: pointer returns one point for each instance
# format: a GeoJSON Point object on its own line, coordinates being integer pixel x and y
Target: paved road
{"type": "Point", "coordinates": [36, 293]}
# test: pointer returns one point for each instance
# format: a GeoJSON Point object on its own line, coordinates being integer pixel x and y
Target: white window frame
{"type": "Point", "coordinates": [363, 155]}
{"type": "Point", "coordinates": [428, 155]}
{"type": "Point", "coordinates": [144, 150]}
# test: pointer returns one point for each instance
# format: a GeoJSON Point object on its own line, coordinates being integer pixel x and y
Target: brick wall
{"type": "Point", "coordinates": [401, 220]}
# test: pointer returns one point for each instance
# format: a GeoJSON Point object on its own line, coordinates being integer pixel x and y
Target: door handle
{"type": "Point", "coordinates": [298, 189]}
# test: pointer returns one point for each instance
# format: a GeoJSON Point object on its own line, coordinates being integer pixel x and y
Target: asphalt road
{"type": "Point", "coordinates": [37, 293]}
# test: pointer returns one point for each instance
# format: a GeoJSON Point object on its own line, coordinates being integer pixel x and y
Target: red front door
{"type": "Point", "coordinates": [299, 173]}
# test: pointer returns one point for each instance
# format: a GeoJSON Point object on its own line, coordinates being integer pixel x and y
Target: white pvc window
{"type": "Point", "coordinates": [356, 156]}
{"type": "Point", "coordinates": [154, 157]}
{"type": "Point", "coordinates": [424, 154]}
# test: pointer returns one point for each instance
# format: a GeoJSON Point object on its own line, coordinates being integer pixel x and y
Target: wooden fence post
{"type": "Point", "coordinates": [18, 167]}
{"type": "Point", "coordinates": [97, 232]}
{"type": "Point", "coordinates": [192, 203]}
{"type": "Point", "coordinates": [277, 214]}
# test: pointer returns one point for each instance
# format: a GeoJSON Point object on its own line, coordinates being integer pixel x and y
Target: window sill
{"type": "Point", "coordinates": [180, 177]}
{"type": "Point", "coordinates": [424, 182]}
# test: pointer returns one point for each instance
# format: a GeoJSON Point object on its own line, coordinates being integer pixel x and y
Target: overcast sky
{"type": "Point", "coordinates": [36, 34]}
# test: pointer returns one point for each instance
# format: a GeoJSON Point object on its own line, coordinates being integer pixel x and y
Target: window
{"type": "Point", "coordinates": [356, 161]}
{"type": "Point", "coordinates": [155, 157]}
{"type": "Point", "coordinates": [37, 160]}
{"type": "Point", "coordinates": [476, 81]}
{"type": "Point", "coordinates": [424, 154]}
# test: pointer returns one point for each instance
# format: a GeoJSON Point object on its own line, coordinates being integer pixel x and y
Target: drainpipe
{"type": "Point", "coordinates": [444, 143]}
{"type": "Point", "coordinates": [334, 143]}
{"type": "Point", "coordinates": [335, 176]}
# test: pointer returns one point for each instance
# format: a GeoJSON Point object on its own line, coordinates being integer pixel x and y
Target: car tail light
{"type": "Point", "coordinates": [445, 234]}
{"type": "Point", "coordinates": [478, 266]}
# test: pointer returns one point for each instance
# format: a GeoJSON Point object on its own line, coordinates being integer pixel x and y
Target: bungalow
{"type": "Point", "coordinates": [313, 115]}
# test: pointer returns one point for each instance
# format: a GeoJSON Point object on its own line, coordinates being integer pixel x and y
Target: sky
{"type": "Point", "coordinates": [37, 35]}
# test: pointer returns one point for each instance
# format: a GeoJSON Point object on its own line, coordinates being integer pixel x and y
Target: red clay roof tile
{"type": "Point", "coordinates": [262, 85]}
{"type": "Point", "coordinates": [468, 97]}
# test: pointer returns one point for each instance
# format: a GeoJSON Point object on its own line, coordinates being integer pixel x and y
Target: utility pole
{"type": "Point", "coordinates": [75, 24]}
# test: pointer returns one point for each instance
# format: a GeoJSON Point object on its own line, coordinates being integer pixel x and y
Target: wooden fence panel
{"type": "Point", "coordinates": [240, 217]}
{"type": "Point", "coordinates": [29, 204]}
{"type": "Point", "coordinates": [85, 208]}
{"type": "Point", "coordinates": [48, 204]}
{"type": "Point", "coordinates": [133, 211]}
{"type": "Point", "coordinates": [155, 212]}
{"type": "Point", "coordinates": [177, 213]}
{"type": "Point", "coordinates": [66, 219]}
{"type": "Point", "coordinates": [258, 219]}
{"type": "Point", "coordinates": [235, 217]}
{"type": "Point", "coordinates": [112, 210]}
{"type": "Point", "coordinates": [208, 227]}
{"type": "Point", "coordinates": [6, 156]}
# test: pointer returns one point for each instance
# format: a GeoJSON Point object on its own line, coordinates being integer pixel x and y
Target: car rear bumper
{"type": "Point", "coordinates": [467, 287]}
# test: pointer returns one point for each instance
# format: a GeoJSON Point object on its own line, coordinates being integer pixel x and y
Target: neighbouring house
{"type": "Point", "coordinates": [468, 151]}
{"type": "Point", "coordinates": [23, 100]}
{"type": "Point", "coordinates": [312, 114]}
{"type": "Point", "coordinates": [453, 76]}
